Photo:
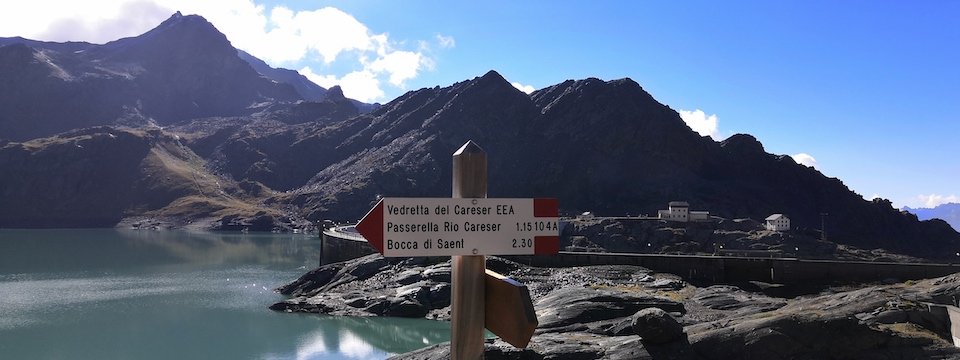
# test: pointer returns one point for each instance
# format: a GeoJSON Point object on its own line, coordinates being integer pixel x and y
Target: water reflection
{"type": "Point", "coordinates": [94, 249]}
{"type": "Point", "coordinates": [362, 337]}
{"type": "Point", "coordinates": [218, 248]}
{"type": "Point", "coordinates": [127, 294]}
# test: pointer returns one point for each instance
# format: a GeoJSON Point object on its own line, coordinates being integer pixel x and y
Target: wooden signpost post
{"type": "Point", "coordinates": [467, 227]}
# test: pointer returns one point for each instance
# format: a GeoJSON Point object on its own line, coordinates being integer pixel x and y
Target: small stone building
{"type": "Point", "coordinates": [680, 211]}
{"type": "Point", "coordinates": [777, 222]}
{"type": "Point", "coordinates": [677, 211]}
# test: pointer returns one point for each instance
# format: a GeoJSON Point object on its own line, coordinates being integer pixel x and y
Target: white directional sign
{"type": "Point", "coordinates": [452, 226]}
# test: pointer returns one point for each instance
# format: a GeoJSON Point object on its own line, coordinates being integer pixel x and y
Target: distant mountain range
{"type": "Point", "coordinates": [306, 88]}
{"type": "Point", "coordinates": [948, 212]}
{"type": "Point", "coordinates": [181, 70]}
{"type": "Point", "coordinates": [240, 147]}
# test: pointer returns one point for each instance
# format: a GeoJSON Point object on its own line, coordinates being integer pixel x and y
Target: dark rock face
{"type": "Point", "coordinates": [731, 298]}
{"type": "Point", "coordinates": [578, 305]}
{"type": "Point", "coordinates": [610, 312]}
{"type": "Point", "coordinates": [655, 326]}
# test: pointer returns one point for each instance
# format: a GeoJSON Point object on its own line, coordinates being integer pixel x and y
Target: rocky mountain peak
{"type": "Point", "coordinates": [175, 39]}
{"type": "Point", "coordinates": [743, 144]}
{"type": "Point", "coordinates": [482, 107]}
{"type": "Point", "coordinates": [630, 86]}
{"type": "Point", "coordinates": [178, 21]}
{"type": "Point", "coordinates": [492, 75]}
{"type": "Point", "coordinates": [624, 82]}
{"type": "Point", "coordinates": [335, 93]}
{"type": "Point", "coordinates": [491, 81]}
{"type": "Point", "coordinates": [594, 106]}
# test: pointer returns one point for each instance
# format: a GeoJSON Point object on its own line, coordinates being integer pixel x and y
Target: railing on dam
{"type": "Point", "coordinates": [732, 269]}
{"type": "Point", "coordinates": [344, 243]}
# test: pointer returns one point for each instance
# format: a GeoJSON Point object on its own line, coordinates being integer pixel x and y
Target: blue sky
{"type": "Point", "coordinates": [869, 89]}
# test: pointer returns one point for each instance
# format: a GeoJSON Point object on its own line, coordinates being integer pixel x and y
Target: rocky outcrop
{"type": "Point", "coordinates": [626, 312]}
{"type": "Point", "coordinates": [373, 285]}
{"type": "Point", "coordinates": [583, 308]}
{"type": "Point", "coordinates": [655, 326]}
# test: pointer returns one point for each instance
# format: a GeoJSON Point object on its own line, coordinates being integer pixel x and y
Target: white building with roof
{"type": "Point", "coordinates": [676, 211]}
{"type": "Point", "coordinates": [680, 211]}
{"type": "Point", "coordinates": [777, 222]}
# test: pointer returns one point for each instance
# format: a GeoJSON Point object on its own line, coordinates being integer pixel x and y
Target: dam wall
{"type": "Point", "coordinates": [344, 243]}
{"type": "Point", "coordinates": [718, 269]}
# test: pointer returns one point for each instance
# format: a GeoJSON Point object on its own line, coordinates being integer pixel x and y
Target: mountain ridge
{"type": "Point", "coordinates": [306, 88]}
{"type": "Point", "coordinates": [269, 157]}
{"type": "Point", "coordinates": [180, 70]}
{"type": "Point", "coordinates": [949, 212]}
{"type": "Point", "coordinates": [630, 154]}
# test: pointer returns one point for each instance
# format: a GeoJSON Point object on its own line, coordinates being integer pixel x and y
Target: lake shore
{"type": "Point", "coordinates": [629, 312]}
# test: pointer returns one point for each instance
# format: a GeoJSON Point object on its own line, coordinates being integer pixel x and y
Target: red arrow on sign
{"type": "Point", "coordinates": [371, 227]}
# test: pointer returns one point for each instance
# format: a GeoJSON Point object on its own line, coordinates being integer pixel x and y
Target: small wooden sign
{"type": "Point", "coordinates": [509, 314]}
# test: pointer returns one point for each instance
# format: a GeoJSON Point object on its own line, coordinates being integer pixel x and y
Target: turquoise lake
{"type": "Point", "coordinates": [139, 294]}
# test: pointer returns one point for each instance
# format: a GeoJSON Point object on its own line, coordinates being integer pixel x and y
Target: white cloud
{"type": "Point", "coordinates": [446, 42]}
{"type": "Point", "coordinates": [805, 159]}
{"type": "Point", "coordinates": [701, 123]}
{"type": "Point", "coordinates": [934, 200]}
{"type": "Point", "coordinates": [327, 32]}
{"type": "Point", "coordinates": [525, 88]}
{"type": "Point", "coordinates": [93, 21]}
{"type": "Point", "coordinates": [361, 85]}
{"type": "Point", "coordinates": [400, 65]}
{"type": "Point", "coordinates": [278, 35]}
